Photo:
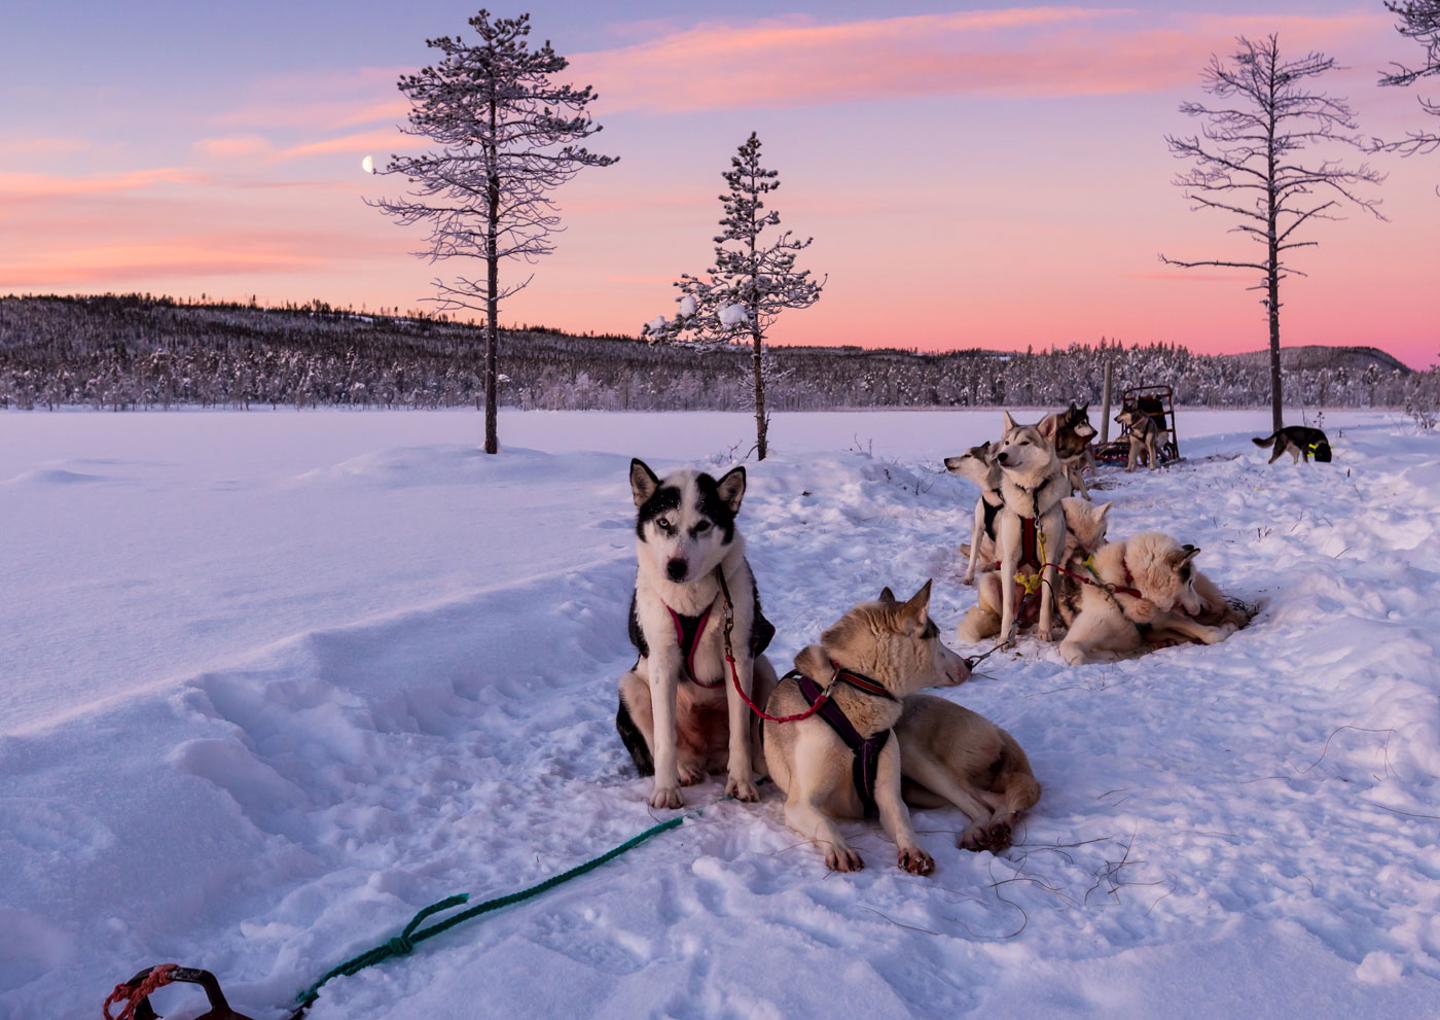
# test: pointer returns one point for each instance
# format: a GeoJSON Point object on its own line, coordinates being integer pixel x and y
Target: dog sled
{"type": "Point", "coordinates": [1158, 404]}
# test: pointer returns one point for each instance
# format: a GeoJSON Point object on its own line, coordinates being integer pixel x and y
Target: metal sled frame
{"type": "Point", "coordinates": [1159, 403]}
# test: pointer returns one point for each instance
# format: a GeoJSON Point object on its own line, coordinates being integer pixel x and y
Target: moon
{"type": "Point", "coordinates": [368, 164]}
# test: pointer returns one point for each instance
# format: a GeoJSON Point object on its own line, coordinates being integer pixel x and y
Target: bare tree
{"type": "Point", "coordinates": [753, 279]}
{"type": "Point", "coordinates": [1250, 163]}
{"type": "Point", "coordinates": [507, 136]}
{"type": "Point", "coordinates": [1419, 20]}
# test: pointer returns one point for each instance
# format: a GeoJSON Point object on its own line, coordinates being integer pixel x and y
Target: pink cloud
{"type": "Point", "coordinates": [44, 146]}
{"type": "Point", "coordinates": [24, 188]}
{"type": "Point", "coordinates": [1019, 51]}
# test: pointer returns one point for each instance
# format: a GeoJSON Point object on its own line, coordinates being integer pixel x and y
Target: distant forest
{"type": "Point", "coordinates": [124, 352]}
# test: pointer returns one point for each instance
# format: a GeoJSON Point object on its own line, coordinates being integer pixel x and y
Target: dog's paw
{"type": "Point", "coordinates": [663, 797]}
{"type": "Point", "coordinates": [916, 861]}
{"type": "Point", "coordinates": [978, 838]}
{"type": "Point", "coordinates": [1045, 633]}
{"type": "Point", "coordinates": [1073, 655]}
{"type": "Point", "coordinates": [999, 836]}
{"type": "Point", "coordinates": [741, 788]}
{"type": "Point", "coordinates": [690, 773]}
{"type": "Point", "coordinates": [842, 858]}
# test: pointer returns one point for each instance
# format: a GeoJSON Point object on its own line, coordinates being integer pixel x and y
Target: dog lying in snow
{"type": "Point", "coordinates": [1299, 441]}
{"type": "Point", "coordinates": [1144, 437]}
{"type": "Point", "coordinates": [1145, 591]}
{"type": "Point", "coordinates": [977, 465]}
{"type": "Point", "coordinates": [1030, 531]}
{"type": "Point", "coordinates": [840, 762]}
{"type": "Point", "coordinates": [950, 755]}
{"type": "Point", "coordinates": [679, 715]}
{"type": "Point", "coordinates": [1073, 435]}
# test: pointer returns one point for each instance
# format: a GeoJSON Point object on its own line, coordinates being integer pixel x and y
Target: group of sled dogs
{"type": "Point", "coordinates": [703, 697]}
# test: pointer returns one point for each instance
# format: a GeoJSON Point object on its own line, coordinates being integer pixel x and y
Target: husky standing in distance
{"type": "Point", "coordinates": [1299, 441]}
{"type": "Point", "coordinates": [1144, 437]}
{"type": "Point", "coordinates": [841, 762]}
{"type": "Point", "coordinates": [679, 715]}
{"type": "Point", "coordinates": [1073, 436]}
{"type": "Point", "coordinates": [1030, 535]}
{"type": "Point", "coordinates": [978, 465]}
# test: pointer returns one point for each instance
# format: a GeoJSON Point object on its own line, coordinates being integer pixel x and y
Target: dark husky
{"type": "Point", "coordinates": [1300, 440]}
{"type": "Point", "coordinates": [1073, 436]}
{"type": "Point", "coordinates": [679, 715]}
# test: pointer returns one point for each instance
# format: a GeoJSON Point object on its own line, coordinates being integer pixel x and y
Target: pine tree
{"type": "Point", "coordinates": [507, 135]}
{"type": "Point", "coordinates": [753, 279]}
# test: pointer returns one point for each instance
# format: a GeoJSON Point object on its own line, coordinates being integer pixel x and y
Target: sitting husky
{"type": "Point", "coordinates": [679, 715]}
{"type": "Point", "coordinates": [1143, 590]}
{"type": "Point", "coordinates": [1073, 435]}
{"type": "Point", "coordinates": [1300, 441]}
{"type": "Point", "coordinates": [1144, 437]}
{"type": "Point", "coordinates": [950, 755]}
{"type": "Point", "coordinates": [1030, 534]}
{"type": "Point", "coordinates": [840, 762]}
{"type": "Point", "coordinates": [978, 465]}
{"type": "Point", "coordinates": [1085, 527]}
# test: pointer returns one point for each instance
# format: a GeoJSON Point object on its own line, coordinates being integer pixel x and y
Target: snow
{"type": "Point", "coordinates": [688, 306]}
{"type": "Point", "coordinates": [658, 323]}
{"type": "Point", "coordinates": [734, 315]}
{"type": "Point", "coordinates": [274, 681]}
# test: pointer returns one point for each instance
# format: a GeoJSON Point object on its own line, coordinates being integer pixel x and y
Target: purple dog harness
{"type": "Point", "coordinates": [866, 750]}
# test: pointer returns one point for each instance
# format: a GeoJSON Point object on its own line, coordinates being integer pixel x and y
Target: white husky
{"type": "Point", "coordinates": [679, 714]}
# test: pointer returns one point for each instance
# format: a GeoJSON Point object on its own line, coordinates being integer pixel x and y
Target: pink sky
{"type": "Point", "coordinates": [986, 178]}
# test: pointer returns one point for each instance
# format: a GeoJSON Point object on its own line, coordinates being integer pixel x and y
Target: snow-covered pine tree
{"type": "Point", "coordinates": [507, 135]}
{"type": "Point", "coordinates": [753, 279]}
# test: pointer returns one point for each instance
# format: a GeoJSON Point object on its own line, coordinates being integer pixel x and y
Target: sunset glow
{"type": "Point", "coordinates": [992, 177]}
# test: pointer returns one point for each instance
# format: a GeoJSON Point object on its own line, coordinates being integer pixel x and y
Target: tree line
{"type": "Point", "coordinates": [119, 352]}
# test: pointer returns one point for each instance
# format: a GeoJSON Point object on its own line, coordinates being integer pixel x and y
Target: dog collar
{"type": "Point", "coordinates": [861, 682]}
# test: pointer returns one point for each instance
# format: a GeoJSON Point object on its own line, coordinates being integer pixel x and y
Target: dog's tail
{"type": "Point", "coordinates": [1267, 441]}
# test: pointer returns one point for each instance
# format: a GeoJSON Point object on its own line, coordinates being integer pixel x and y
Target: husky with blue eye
{"type": "Point", "coordinates": [680, 716]}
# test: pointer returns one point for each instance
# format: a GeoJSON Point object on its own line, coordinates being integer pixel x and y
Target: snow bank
{"type": "Point", "coordinates": [291, 677]}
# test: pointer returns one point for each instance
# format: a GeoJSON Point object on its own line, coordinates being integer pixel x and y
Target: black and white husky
{"type": "Point", "coordinates": [680, 716]}
{"type": "Point", "coordinates": [1299, 441]}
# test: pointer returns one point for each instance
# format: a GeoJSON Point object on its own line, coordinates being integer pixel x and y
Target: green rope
{"type": "Point", "coordinates": [405, 942]}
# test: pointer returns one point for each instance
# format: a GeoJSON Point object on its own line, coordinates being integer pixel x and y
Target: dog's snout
{"type": "Point", "coordinates": [676, 569]}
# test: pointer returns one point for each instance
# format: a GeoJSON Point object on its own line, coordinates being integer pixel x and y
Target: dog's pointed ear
{"type": "Point", "coordinates": [1048, 426]}
{"type": "Point", "coordinates": [1007, 422]}
{"type": "Point", "coordinates": [887, 596]}
{"type": "Point", "coordinates": [731, 488]}
{"type": "Point", "coordinates": [1103, 509]}
{"type": "Point", "coordinates": [915, 614]}
{"type": "Point", "coordinates": [1086, 409]}
{"type": "Point", "coordinates": [1184, 555]}
{"type": "Point", "coordinates": [643, 481]}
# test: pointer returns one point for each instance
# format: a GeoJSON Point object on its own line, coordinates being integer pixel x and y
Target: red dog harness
{"type": "Point", "coordinates": [688, 630]}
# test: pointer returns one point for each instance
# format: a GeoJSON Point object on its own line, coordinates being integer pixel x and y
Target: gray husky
{"type": "Point", "coordinates": [679, 714]}
{"type": "Point", "coordinates": [977, 465]}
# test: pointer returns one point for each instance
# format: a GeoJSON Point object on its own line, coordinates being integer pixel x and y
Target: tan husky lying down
{"type": "Point", "coordinates": [841, 762]}
{"type": "Point", "coordinates": [950, 755]}
{"type": "Point", "coordinates": [1148, 591]}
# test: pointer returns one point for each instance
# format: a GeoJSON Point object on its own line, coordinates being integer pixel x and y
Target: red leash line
{"type": "Point", "coordinates": [133, 995]}
{"type": "Point", "coordinates": [729, 608]}
{"type": "Point", "coordinates": [735, 677]}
